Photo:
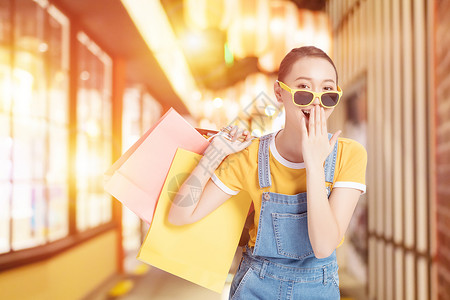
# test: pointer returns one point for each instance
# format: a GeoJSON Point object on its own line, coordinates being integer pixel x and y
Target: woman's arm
{"type": "Point", "coordinates": [203, 193]}
{"type": "Point", "coordinates": [328, 219]}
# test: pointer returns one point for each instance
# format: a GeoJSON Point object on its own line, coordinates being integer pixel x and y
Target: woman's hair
{"type": "Point", "coordinates": [301, 52]}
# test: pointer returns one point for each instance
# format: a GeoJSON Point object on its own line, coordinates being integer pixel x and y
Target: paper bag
{"type": "Point", "coordinates": [137, 177]}
{"type": "Point", "coordinates": [201, 252]}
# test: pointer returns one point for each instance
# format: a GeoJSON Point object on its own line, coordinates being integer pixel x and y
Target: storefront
{"type": "Point", "coordinates": [63, 98]}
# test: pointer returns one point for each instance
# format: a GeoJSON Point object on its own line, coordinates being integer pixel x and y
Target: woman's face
{"type": "Point", "coordinates": [310, 73]}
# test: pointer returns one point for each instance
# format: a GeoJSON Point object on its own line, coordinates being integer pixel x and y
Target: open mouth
{"type": "Point", "coordinates": [306, 113]}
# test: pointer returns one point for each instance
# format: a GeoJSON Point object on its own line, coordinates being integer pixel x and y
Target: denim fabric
{"type": "Point", "coordinates": [261, 278]}
{"type": "Point", "coordinates": [282, 264]}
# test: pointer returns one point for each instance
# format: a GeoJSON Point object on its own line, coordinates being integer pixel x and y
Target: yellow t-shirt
{"type": "Point", "coordinates": [239, 171]}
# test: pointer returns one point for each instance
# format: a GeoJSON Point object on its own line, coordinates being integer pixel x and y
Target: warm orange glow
{"type": "Point", "coordinates": [85, 75]}
{"type": "Point", "coordinates": [194, 40]}
{"type": "Point", "coordinates": [232, 110]}
{"type": "Point", "coordinates": [5, 89]}
{"type": "Point", "coordinates": [258, 83]}
{"type": "Point", "coordinates": [87, 165]}
{"type": "Point", "coordinates": [283, 25]}
{"type": "Point", "coordinates": [305, 32]}
{"type": "Point", "coordinates": [314, 30]}
{"type": "Point", "coordinates": [153, 24]}
{"type": "Point", "coordinates": [247, 34]}
{"type": "Point", "coordinates": [92, 128]}
{"type": "Point", "coordinates": [203, 14]}
{"type": "Point", "coordinates": [323, 32]}
{"type": "Point", "coordinates": [208, 109]}
{"type": "Point", "coordinates": [218, 102]}
{"type": "Point", "coordinates": [43, 47]}
{"type": "Point", "coordinates": [197, 95]}
{"type": "Point", "coordinates": [22, 91]}
{"type": "Point", "coordinates": [267, 29]}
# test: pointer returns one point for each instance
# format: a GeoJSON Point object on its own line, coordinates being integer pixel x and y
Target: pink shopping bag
{"type": "Point", "coordinates": [137, 177]}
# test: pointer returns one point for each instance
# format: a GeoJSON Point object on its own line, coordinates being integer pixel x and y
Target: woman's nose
{"type": "Point", "coordinates": [316, 101]}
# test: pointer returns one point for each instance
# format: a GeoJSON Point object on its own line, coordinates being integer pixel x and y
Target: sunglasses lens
{"type": "Point", "coordinates": [330, 99]}
{"type": "Point", "coordinates": [302, 98]}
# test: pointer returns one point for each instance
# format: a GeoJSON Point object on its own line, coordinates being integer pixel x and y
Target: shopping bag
{"type": "Point", "coordinates": [137, 177]}
{"type": "Point", "coordinates": [201, 252]}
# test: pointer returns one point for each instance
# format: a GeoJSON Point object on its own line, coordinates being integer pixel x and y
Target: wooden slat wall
{"type": "Point", "coordinates": [440, 150]}
{"type": "Point", "coordinates": [386, 41]}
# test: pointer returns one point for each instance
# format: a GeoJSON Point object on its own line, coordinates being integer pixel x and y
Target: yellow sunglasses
{"type": "Point", "coordinates": [304, 98]}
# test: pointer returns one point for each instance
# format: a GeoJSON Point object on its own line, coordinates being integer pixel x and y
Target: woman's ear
{"type": "Point", "coordinates": [277, 91]}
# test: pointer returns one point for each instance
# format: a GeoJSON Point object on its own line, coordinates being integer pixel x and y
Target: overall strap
{"type": "Point", "coordinates": [263, 161]}
{"type": "Point", "coordinates": [264, 166]}
{"type": "Point", "coordinates": [330, 162]}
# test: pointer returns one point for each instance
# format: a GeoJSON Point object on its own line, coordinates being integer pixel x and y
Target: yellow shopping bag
{"type": "Point", "coordinates": [201, 252]}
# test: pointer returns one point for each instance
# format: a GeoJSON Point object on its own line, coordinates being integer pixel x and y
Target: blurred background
{"type": "Point", "coordinates": [81, 81]}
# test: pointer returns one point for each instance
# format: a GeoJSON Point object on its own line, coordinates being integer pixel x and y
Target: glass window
{"type": "Point", "coordinates": [29, 160]}
{"type": "Point", "coordinates": [5, 191]}
{"type": "Point", "coordinates": [140, 112]}
{"type": "Point", "coordinates": [57, 184]}
{"type": "Point", "coordinates": [131, 131]}
{"type": "Point", "coordinates": [33, 124]}
{"type": "Point", "coordinates": [29, 132]}
{"type": "Point", "coordinates": [58, 124]}
{"type": "Point", "coordinates": [94, 140]}
{"type": "Point", "coordinates": [151, 111]}
{"type": "Point", "coordinates": [35, 129]}
{"type": "Point", "coordinates": [5, 125]}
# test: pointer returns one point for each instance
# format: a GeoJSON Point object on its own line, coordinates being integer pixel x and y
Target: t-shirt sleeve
{"type": "Point", "coordinates": [229, 175]}
{"type": "Point", "coordinates": [352, 166]}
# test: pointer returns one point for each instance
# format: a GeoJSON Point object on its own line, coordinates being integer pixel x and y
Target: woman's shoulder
{"type": "Point", "coordinates": [350, 148]}
{"type": "Point", "coordinates": [252, 151]}
{"type": "Point", "coordinates": [348, 144]}
{"type": "Point", "coordinates": [248, 153]}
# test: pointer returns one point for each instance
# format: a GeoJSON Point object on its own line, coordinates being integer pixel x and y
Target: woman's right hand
{"type": "Point", "coordinates": [226, 144]}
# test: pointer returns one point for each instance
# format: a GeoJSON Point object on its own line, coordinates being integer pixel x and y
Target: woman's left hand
{"type": "Point", "coordinates": [315, 144]}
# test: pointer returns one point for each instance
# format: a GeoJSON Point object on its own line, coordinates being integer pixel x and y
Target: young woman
{"type": "Point", "coordinates": [304, 184]}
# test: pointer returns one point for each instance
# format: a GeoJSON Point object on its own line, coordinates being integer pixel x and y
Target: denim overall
{"type": "Point", "coordinates": [282, 264]}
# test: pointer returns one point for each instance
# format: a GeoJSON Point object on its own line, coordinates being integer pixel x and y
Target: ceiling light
{"type": "Point", "coordinates": [218, 102]}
